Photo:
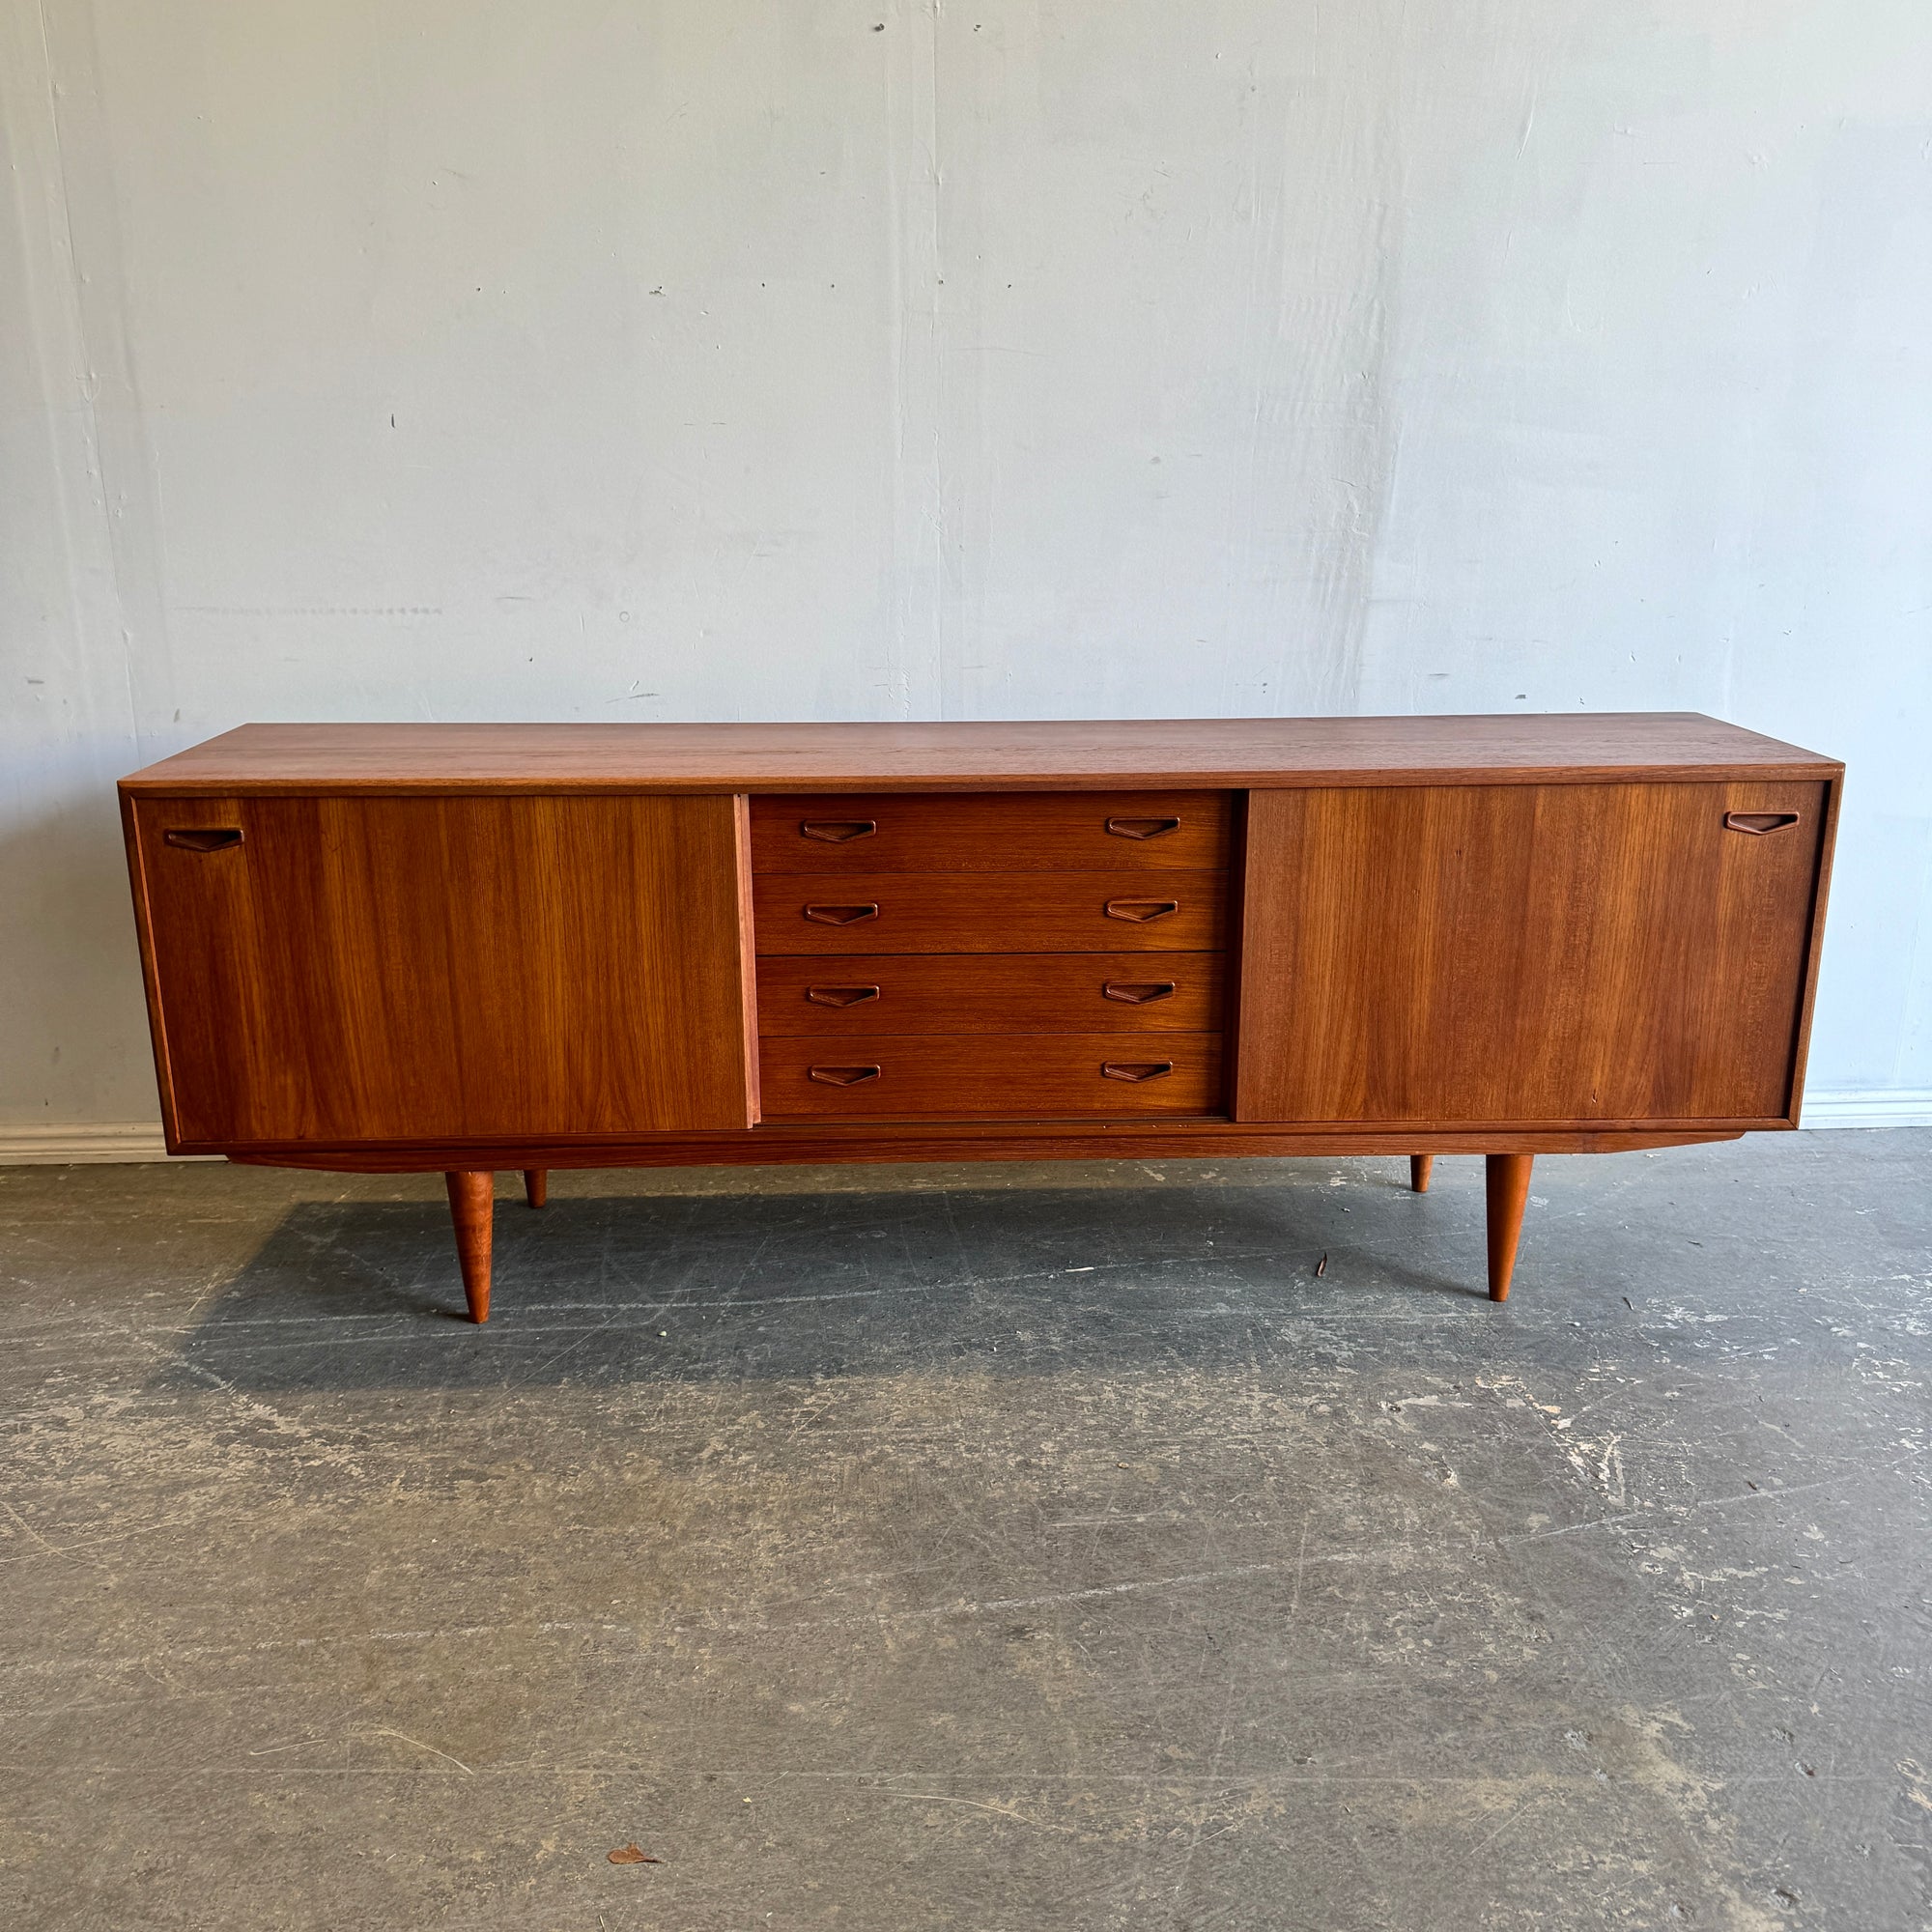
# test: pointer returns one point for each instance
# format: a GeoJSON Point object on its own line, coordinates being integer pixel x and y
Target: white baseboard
{"type": "Point", "coordinates": [65, 1146]}
{"type": "Point", "coordinates": [1870, 1107]}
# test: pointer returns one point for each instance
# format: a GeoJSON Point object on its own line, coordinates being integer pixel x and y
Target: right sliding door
{"type": "Point", "coordinates": [1526, 955]}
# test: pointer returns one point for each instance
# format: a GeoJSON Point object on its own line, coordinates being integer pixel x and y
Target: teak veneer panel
{"type": "Point", "coordinates": [990, 993]}
{"type": "Point", "coordinates": [441, 968]}
{"type": "Point", "coordinates": [992, 832]}
{"type": "Point", "coordinates": [1150, 754]}
{"type": "Point", "coordinates": [1525, 953]}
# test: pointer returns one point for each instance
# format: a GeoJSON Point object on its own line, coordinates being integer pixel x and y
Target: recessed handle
{"type": "Point", "coordinates": [203, 837]}
{"type": "Point", "coordinates": [838, 831]}
{"type": "Point", "coordinates": [1759, 823]}
{"type": "Point", "coordinates": [1142, 828]}
{"type": "Point", "coordinates": [1140, 911]}
{"type": "Point", "coordinates": [840, 996]}
{"type": "Point", "coordinates": [838, 915]}
{"type": "Point", "coordinates": [1136, 1070]}
{"type": "Point", "coordinates": [840, 1076]}
{"type": "Point", "coordinates": [1138, 994]}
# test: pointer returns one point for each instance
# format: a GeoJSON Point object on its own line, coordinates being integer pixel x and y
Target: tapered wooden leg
{"type": "Point", "coordinates": [471, 1207]}
{"type": "Point", "coordinates": [536, 1186]}
{"type": "Point", "coordinates": [1419, 1165]}
{"type": "Point", "coordinates": [1506, 1179]}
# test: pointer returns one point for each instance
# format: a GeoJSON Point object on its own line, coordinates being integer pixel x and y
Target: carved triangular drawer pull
{"type": "Point", "coordinates": [203, 837]}
{"type": "Point", "coordinates": [831, 915]}
{"type": "Point", "coordinates": [1138, 995]}
{"type": "Point", "coordinates": [1140, 911]}
{"type": "Point", "coordinates": [1759, 822]}
{"type": "Point", "coordinates": [1143, 828]}
{"type": "Point", "coordinates": [840, 1076]}
{"type": "Point", "coordinates": [840, 996]}
{"type": "Point", "coordinates": [1136, 1070]}
{"type": "Point", "coordinates": [838, 831]}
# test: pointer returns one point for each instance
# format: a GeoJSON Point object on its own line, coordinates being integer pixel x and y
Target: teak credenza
{"type": "Point", "coordinates": [466, 947]}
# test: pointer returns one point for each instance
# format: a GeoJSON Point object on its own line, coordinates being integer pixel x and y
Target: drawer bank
{"type": "Point", "coordinates": [467, 948]}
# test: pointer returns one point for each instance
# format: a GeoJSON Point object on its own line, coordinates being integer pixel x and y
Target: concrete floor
{"type": "Point", "coordinates": [988, 1548]}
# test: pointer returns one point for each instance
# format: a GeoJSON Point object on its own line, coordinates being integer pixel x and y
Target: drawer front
{"type": "Point", "coordinates": [990, 912]}
{"type": "Point", "coordinates": [1035, 1076]}
{"type": "Point", "coordinates": [848, 994]}
{"type": "Point", "coordinates": [992, 832]}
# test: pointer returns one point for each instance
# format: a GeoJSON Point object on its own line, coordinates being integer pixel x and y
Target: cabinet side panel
{"type": "Point", "coordinates": [369, 967]}
{"type": "Point", "coordinates": [137, 880]}
{"type": "Point", "coordinates": [1821, 893]}
{"type": "Point", "coordinates": [1525, 953]}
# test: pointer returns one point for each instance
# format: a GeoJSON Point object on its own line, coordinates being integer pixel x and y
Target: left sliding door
{"type": "Point", "coordinates": [340, 969]}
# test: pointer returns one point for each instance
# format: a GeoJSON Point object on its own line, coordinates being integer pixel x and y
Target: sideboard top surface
{"type": "Point", "coordinates": [1209, 751]}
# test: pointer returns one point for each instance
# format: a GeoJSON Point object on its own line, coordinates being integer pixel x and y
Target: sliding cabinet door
{"type": "Point", "coordinates": [340, 969]}
{"type": "Point", "coordinates": [1526, 955]}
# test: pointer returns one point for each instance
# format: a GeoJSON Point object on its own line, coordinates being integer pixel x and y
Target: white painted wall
{"type": "Point", "coordinates": [766, 359]}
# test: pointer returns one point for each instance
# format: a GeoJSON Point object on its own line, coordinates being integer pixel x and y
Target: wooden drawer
{"type": "Point", "coordinates": [848, 994]}
{"type": "Point", "coordinates": [990, 912]}
{"type": "Point", "coordinates": [992, 832]}
{"type": "Point", "coordinates": [1029, 1076]}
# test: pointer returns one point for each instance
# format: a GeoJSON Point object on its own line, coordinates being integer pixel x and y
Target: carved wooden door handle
{"type": "Point", "coordinates": [1136, 1070]}
{"type": "Point", "coordinates": [840, 915]}
{"type": "Point", "coordinates": [838, 831]}
{"type": "Point", "coordinates": [840, 996]}
{"type": "Point", "coordinates": [1759, 823]}
{"type": "Point", "coordinates": [840, 1076]}
{"type": "Point", "coordinates": [1138, 995]}
{"type": "Point", "coordinates": [1142, 828]}
{"type": "Point", "coordinates": [203, 837]}
{"type": "Point", "coordinates": [1140, 911]}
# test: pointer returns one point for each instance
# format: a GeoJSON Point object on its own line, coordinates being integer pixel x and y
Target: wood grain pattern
{"type": "Point", "coordinates": [446, 968]}
{"type": "Point", "coordinates": [991, 992]}
{"type": "Point", "coordinates": [1158, 754]}
{"type": "Point", "coordinates": [990, 912]}
{"type": "Point", "coordinates": [1524, 954]}
{"type": "Point", "coordinates": [992, 1077]}
{"type": "Point", "coordinates": [992, 832]}
{"type": "Point", "coordinates": [747, 1045]}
